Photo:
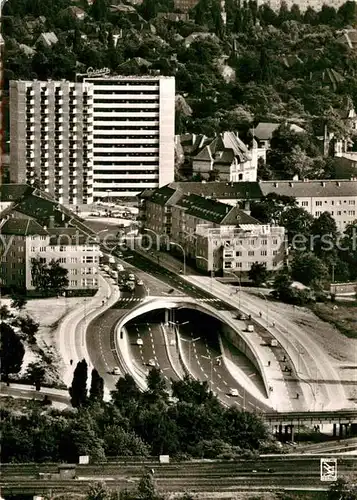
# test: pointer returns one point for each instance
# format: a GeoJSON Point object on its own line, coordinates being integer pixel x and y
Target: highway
{"type": "Point", "coordinates": [152, 349]}
{"type": "Point", "coordinates": [202, 354]}
{"type": "Point", "coordinates": [264, 473]}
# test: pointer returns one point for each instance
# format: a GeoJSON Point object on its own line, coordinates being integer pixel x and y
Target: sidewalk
{"type": "Point", "coordinates": [71, 334]}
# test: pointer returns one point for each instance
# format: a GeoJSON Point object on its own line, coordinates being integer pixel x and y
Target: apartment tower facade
{"type": "Point", "coordinates": [133, 136]}
{"type": "Point", "coordinates": [51, 138]}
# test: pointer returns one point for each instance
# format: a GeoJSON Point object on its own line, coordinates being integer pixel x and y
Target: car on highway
{"type": "Point", "coordinates": [151, 362]}
{"type": "Point", "coordinates": [116, 370]}
{"type": "Point", "coordinates": [139, 342]}
{"type": "Point", "coordinates": [131, 277]}
{"type": "Point", "coordinates": [233, 392]}
{"type": "Point", "coordinates": [120, 268]}
{"type": "Point", "coordinates": [140, 282]}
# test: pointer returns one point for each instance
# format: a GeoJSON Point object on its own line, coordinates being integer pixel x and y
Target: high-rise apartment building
{"type": "Point", "coordinates": [133, 137]}
{"type": "Point", "coordinates": [51, 138]}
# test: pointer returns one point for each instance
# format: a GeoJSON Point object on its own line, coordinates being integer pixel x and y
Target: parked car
{"type": "Point", "coordinates": [116, 370]}
{"type": "Point", "coordinates": [140, 282]}
{"type": "Point", "coordinates": [131, 277]}
{"type": "Point", "coordinates": [233, 392]}
{"type": "Point", "coordinates": [151, 362]}
{"type": "Point", "coordinates": [139, 342]}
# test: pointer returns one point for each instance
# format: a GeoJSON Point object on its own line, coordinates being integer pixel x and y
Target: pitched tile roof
{"type": "Point", "coordinates": [22, 227]}
{"type": "Point", "coordinates": [162, 195]}
{"type": "Point", "coordinates": [221, 190]}
{"type": "Point", "coordinates": [213, 211]}
{"type": "Point", "coordinates": [314, 188]}
{"type": "Point", "coordinates": [14, 192]}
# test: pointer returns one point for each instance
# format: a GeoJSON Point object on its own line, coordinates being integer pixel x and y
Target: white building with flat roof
{"type": "Point", "coordinates": [134, 134]}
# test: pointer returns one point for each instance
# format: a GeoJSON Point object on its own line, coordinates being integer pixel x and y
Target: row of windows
{"type": "Point", "coordinates": [117, 137]}
{"type": "Point", "coordinates": [248, 265]}
{"type": "Point", "coordinates": [129, 181]}
{"type": "Point", "coordinates": [118, 83]}
{"type": "Point", "coordinates": [125, 127]}
{"type": "Point", "coordinates": [142, 153]}
{"type": "Point", "coordinates": [123, 119]}
{"type": "Point", "coordinates": [128, 163]}
{"type": "Point", "coordinates": [339, 202]}
{"type": "Point", "coordinates": [126, 101]}
{"type": "Point", "coordinates": [251, 253]}
{"type": "Point", "coordinates": [116, 172]}
{"type": "Point", "coordinates": [339, 212]}
{"type": "Point", "coordinates": [130, 145]}
{"type": "Point", "coordinates": [126, 91]}
{"type": "Point", "coordinates": [126, 110]}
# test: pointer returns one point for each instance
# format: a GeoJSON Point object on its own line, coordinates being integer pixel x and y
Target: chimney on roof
{"type": "Point", "coordinates": [276, 184]}
{"type": "Point", "coordinates": [338, 183]}
{"type": "Point", "coordinates": [323, 184]}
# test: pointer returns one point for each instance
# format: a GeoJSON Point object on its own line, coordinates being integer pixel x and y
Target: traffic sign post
{"type": "Point", "coordinates": [328, 469]}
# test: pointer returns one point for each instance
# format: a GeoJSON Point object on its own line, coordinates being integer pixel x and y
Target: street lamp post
{"type": "Point", "coordinates": [184, 254]}
{"type": "Point", "coordinates": [190, 342]}
{"type": "Point", "coordinates": [211, 359]}
{"type": "Point", "coordinates": [240, 285]}
{"type": "Point", "coordinates": [211, 270]}
{"type": "Point", "coordinates": [267, 307]}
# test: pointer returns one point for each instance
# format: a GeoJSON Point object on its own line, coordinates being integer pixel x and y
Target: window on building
{"type": "Point", "coordinates": [318, 203]}
{"type": "Point", "coordinates": [42, 249]}
{"type": "Point", "coordinates": [351, 202]}
{"type": "Point", "coordinates": [318, 214]}
{"type": "Point", "coordinates": [73, 282]}
{"type": "Point", "coordinates": [238, 264]}
{"type": "Point", "coordinates": [304, 203]}
{"type": "Point", "coordinates": [73, 271]}
{"type": "Point", "coordinates": [228, 265]}
{"type": "Point", "coordinates": [62, 260]}
{"type": "Point", "coordinates": [251, 253]}
{"type": "Point", "coordinates": [339, 212]}
{"type": "Point", "coordinates": [264, 253]}
{"type": "Point", "coordinates": [238, 254]}
{"type": "Point", "coordinates": [264, 242]}
{"type": "Point", "coordinates": [74, 260]}
{"type": "Point", "coordinates": [351, 212]}
{"type": "Point", "coordinates": [275, 241]}
{"type": "Point", "coordinates": [275, 252]}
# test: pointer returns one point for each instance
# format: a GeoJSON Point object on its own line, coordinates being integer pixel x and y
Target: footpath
{"type": "Point", "coordinates": [71, 334]}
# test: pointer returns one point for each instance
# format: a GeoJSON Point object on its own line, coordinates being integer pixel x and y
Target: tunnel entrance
{"type": "Point", "coordinates": [204, 345]}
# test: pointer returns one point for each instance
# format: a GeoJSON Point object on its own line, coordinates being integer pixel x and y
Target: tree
{"type": "Point", "coordinates": [36, 374]}
{"type": "Point", "coordinates": [270, 208]}
{"type": "Point", "coordinates": [49, 279]}
{"type": "Point", "coordinates": [28, 326]}
{"type": "Point", "coordinates": [191, 391]}
{"type": "Point", "coordinates": [157, 389]}
{"type": "Point", "coordinates": [324, 231]}
{"type": "Point", "coordinates": [258, 273]}
{"type": "Point", "coordinates": [78, 389]}
{"type": "Point", "coordinates": [342, 490]}
{"type": "Point", "coordinates": [96, 392]}
{"type": "Point", "coordinates": [11, 351]}
{"type": "Point", "coordinates": [308, 269]}
{"type": "Point", "coordinates": [297, 223]}
{"type": "Point", "coordinates": [99, 491]}
{"type": "Point", "coordinates": [126, 392]}
{"type": "Point", "coordinates": [18, 300]}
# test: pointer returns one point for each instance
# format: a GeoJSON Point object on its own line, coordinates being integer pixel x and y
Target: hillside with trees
{"type": "Point", "coordinates": [284, 66]}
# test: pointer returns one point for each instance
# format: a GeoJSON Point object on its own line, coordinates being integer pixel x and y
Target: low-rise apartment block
{"type": "Point", "coordinates": [35, 227]}
{"type": "Point", "coordinates": [216, 235]}
{"type": "Point", "coordinates": [338, 197]}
